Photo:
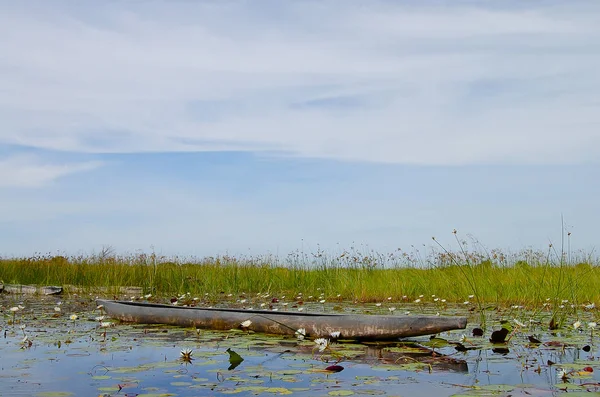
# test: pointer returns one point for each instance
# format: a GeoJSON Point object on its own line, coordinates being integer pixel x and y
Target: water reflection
{"type": "Point", "coordinates": [81, 358]}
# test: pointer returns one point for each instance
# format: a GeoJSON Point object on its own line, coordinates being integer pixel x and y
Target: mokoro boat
{"type": "Point", "coordinates": [350, 326]}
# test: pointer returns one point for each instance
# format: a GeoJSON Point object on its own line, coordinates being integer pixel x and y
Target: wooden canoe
{"type": "Point", "coordinates": [350, 326]}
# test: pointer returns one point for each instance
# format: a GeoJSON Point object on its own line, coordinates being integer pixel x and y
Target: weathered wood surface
{"type": "Point", "coordinates": [30, 289]}
{"type": "Point", "coordinates": [361, 327]}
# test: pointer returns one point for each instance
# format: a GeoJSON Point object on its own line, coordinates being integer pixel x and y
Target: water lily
{"type": "Point", "coordinates": [14, 309]}
{"type": "Point", "coordinates": [106, 324]}
{"type": "Point", "coordinates": [576, 324]}
{"type": "Point", "coordinates": [592, 325]}
{"type": "Point", "coordinates": [562, 374]}
{"type": "Point", "coordinates": [300, 333]}
{"type": "Point", "coordinates": [590, 306]}
{"type": "Point", "coordinates": [335, 334]}
{"type": "Point", "coordinates": [322, 301]}
{"type": "Point", "coordinates": [321, 343]}
{"type": "Point", "coordinates": [246, 324]}
{"type": "Point", "coordinates": [186, 355]}
{"type": "Point", "coordinates": [73, 317]}
{"type": "Point", "coordinates": [100, 318]}
{"type": "Point", "coordinates": [378, 304]}
{"type": "Point", "coordinates": [57, 309]}
{"type": "Point", "coordinates": [418, 300]}
{"type": "Point", "coordinates": [392, 309]}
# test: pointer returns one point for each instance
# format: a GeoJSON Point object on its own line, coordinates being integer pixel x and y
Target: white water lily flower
{"type": "Point", "coordinates": [243, 301]}
{"type": "Point", "coordinates": [443, 300]}
{"type": "Point", "coordinates": [463, 338]}
{"type": "Point", "coordinates": [389, 298]}
{"type": "Point", "coordinates": [322, 301]}
{"type": "Point", "coordinates": [592, 325]}
{"type": "Point", "coordinates": [186, 354]}
{"type": "Point", "coordinates": [148, 296]}
{"type": "Point", "coordinates": [407, 312]}
{"type": "Point", "coordinates": [392, 309]}
{"type": "Point", "coordinates": [106, 324]}
{"type": "Point", "coordinates": [322, 343]}
{"type": "Point", "coordinates": [73, 317]}
{"type": "Point", "coordinates": [562, 374]}
{"type": "Point", "coordinates": [300, 309]}
{"type": "Point", "coordinates": [246, 324]}
{"type": "Point", "coordinates": [335, 334]}
{"type": "Point", "coordinates": [378, 304]}
{"type": "Point", "coordinates": [57, 309]}
{"type": "Point", "coordinates": [590, 306]}
{"type": "Point", "coordinates": [576, 324]}
{"type": "Point", "coordinates": [471, 296]}
{"type": "Point", "coordinates": [300, 334]}
{"type": "Point", "coordinates": [14, 309]}
{"type": "Point", "coordinates": [417, 300]}
{"type": "Point", "coordinates": [100, 318]}
{"type": "Point", "coordinates": [466, 303]}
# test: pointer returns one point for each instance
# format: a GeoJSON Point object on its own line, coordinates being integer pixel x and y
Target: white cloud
{"type": "Point", "coordinates": [30, 171]}
{"type": "Point", "coordinates": [428, 85]}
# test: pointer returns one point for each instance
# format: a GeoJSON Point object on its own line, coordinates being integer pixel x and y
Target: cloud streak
{"type": "Point", "coordinates": [411, 84]}
{"type": "Point", "coordinates": [26, 171]}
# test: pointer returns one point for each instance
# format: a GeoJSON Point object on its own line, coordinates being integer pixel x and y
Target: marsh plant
{"type": "Point", "coordinates": [358, 274]}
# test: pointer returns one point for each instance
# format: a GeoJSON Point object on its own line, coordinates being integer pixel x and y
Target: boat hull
{"type": "Point", "coordinates": [358, 327]}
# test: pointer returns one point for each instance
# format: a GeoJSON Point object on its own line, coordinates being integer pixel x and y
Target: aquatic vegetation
{"type": "Point", "coordinates": [149, 359]}
{"type": "Point", "coordinates": [442, 276]}
{"type": "Point", "coordinates": [322, 344]}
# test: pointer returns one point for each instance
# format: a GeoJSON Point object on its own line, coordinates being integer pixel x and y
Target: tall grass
{"type": "Point", "coordinates": [528, 277]}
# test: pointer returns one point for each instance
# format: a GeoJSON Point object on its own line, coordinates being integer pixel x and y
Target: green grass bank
{"type": "Point", "coordinates": [528, 279]}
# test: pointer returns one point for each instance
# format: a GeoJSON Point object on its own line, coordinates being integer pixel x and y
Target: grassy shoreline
{"type": "Point", "coordinates": [530, 280]}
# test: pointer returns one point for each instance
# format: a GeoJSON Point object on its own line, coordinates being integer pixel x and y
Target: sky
{"type": "Point", "coordinates": [199, 128]}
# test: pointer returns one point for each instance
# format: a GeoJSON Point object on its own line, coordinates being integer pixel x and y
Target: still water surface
{"type": "Point", "coordinates": [80, 358]}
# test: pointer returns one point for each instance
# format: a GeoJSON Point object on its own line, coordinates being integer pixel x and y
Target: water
{"type": "Point", "coordinates": [79, 358]}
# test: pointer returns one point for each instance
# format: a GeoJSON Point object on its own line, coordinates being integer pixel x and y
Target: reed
{"type": "Point", "coordinates": [528, 278]}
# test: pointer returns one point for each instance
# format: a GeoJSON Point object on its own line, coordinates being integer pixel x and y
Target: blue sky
{"type": "Point", "coordinates": [203, 128]}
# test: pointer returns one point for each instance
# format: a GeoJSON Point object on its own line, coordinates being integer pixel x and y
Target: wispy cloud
{"type": "Point", "coordinates": [397, 83]}
{"type": "Point", "coordinates": [30, 171]}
